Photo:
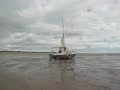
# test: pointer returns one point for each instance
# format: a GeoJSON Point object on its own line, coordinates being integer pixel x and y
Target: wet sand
{"type": "Point", "coordinates": [34, 71]}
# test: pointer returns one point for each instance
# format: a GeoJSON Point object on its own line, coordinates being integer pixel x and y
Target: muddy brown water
{"type": "Point", "coordinates": [34, 71]}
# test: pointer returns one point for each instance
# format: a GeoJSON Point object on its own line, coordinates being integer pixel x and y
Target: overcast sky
{"type": "Point", "coordinates": [36, 25]}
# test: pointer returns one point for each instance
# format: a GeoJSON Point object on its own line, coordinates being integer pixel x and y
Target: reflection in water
{"type": "Point", "coordinates": [62, 68]}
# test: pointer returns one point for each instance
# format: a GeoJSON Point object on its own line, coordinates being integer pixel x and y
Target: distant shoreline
{"type": "Point", "coordinates": [25, 51]}
{"type": "Point", "coordinates": [81, 53]}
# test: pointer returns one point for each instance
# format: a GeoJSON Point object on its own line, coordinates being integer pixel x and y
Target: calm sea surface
{"type": "Point", "coordinates": [99, 69]}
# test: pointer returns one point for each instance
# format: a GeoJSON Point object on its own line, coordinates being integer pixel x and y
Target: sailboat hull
{"type": "Point", "coordinates": [61, 56]}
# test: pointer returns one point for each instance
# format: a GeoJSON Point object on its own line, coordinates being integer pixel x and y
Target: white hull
{"type": "Point", "coordinates": [61, 56]}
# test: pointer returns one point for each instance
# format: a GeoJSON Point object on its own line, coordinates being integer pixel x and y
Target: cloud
{"type": "Point", "coordinates": [36, 24]}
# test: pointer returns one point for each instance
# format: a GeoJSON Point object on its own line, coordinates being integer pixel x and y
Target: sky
{"type": "Point", "coordinates": [36, 25]}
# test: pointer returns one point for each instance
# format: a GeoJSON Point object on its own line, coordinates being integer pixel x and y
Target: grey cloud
{"type": "Point", "coordinates": [94, 23]}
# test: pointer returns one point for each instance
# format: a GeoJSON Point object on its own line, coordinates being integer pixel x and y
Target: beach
{"type": "Point", "coordinates": [34, 71]}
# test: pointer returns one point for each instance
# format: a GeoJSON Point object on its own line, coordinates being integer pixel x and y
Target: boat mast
{"type": "Point", "coordinates": [62, 39]}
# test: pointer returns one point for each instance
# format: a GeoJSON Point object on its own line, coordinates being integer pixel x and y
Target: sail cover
{"type": "Point", "coordinates": [62, 41]}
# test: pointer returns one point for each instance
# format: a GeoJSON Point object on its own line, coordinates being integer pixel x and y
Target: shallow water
{"type": "Point", "coordinates": [101, 71]}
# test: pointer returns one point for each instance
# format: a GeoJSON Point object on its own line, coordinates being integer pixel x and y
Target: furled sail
{"type": "Point", "coordinates": [62, 41]}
